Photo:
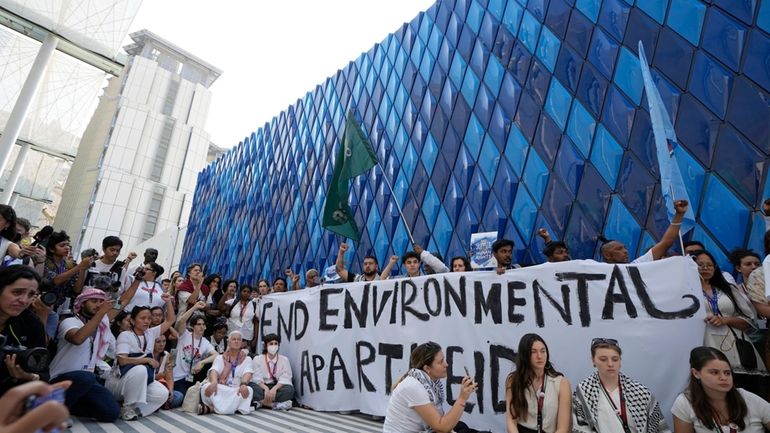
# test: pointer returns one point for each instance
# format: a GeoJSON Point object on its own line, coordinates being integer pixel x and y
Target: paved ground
{"type": "Point", "coordinates": [261, 421]}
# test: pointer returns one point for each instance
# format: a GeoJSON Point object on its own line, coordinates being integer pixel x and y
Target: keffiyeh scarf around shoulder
{"type": "Point", "coordinates": [435, 390]}
{"type": "Point", "coordinates": [641, 405]}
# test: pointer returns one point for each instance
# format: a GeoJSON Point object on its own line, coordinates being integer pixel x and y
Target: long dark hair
{"type": "Point", "coordinates": [465, 260]}
{"type": "Point", "coordinates": [736, 405]}
{"type": "Point", "coordinates": [718, 281]}
{"type": "Point", "coordinates": [9, 215]}
{"type": "Point", "coordinates": [523, 376]}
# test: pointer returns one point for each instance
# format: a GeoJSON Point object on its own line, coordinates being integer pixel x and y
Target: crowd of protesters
{"type": "Point", "coordinates": [121, 340]}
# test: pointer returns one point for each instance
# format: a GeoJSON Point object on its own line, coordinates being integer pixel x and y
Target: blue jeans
{"type": "Point", "coordinates": [88, 398]}
{"type": "Point", "coordinates": [180, 389]}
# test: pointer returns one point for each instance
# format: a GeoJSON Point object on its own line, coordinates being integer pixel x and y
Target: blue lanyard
{"type": "Point", "coordinates": [713, 301]}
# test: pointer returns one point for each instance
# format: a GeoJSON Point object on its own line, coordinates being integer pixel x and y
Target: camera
{"type": "Point", "coordinates": [139, 272]}
{"type": "Point", "coordinates": [49, 298]}
{"type": "Point", "coordinates": [32, 360]}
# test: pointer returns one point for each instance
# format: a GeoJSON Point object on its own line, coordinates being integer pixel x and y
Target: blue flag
{"type": "Point", "coordinates": [671, 184]}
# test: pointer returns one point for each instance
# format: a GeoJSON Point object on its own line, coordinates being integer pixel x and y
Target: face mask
{"type": "Point", "coordinates": [272, 349]}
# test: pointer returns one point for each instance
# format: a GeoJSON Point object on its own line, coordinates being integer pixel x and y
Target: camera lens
{"type": "Point", "coordinates": [49, 298]}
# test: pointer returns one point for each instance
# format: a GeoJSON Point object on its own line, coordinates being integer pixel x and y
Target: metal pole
{"type": "Point", "coordinates": [395, 199]}
{"type": "Point", "coordinates": [673, 202]}
{"type": "Point", "coordinates": [19, 112]}
{"type": "Point", "coordinates": [13, 179]}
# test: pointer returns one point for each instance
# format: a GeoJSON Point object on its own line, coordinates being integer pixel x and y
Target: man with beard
{"type": "Point", "coordinates": [502, 250]}
{"type": "Point", "coordinates": [370, 268]}
{"type": "Point", "coordinates": [82, 343]}
{"type": "Point", "coordinates": [554, 251]}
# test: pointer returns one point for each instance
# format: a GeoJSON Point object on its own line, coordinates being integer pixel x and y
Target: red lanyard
{"type": "Point", "coordinates": [243, 309]}
{"type": "Point", "coordinates": [151, 290]}
{"type": "Point", "coordinates": [275, 367]}
{"type": "Point", "coordinates": [540, 401]}
{"type": "Point", "coordinates": [621, 414]}
{"type": "Point", "coordinates": [718, 425]}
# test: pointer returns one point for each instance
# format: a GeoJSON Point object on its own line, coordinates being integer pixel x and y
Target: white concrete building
{"type": "Point", "coordinates": [139, 158]}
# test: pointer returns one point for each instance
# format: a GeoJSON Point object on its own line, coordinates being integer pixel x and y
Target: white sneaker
{"type": "Point", "coordinates": [128, 413]}
{"type": "Point", "coordinates": [257, 405]}
{"type": "Point", "coordinates": [284, 405]}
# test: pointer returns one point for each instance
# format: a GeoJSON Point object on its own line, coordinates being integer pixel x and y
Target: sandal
{"type": "Point", "coordinates": [203, 409]}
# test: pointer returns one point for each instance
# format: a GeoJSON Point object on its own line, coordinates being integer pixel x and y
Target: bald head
{"type": "Point", "coordinates": [614, 252]}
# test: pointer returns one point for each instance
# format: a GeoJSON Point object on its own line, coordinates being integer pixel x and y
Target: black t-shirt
{"type": "Point", "coordinates": [26, 330]}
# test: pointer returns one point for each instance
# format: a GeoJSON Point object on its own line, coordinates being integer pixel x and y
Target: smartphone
{"type": "Point", "coordinates": [34, 401]}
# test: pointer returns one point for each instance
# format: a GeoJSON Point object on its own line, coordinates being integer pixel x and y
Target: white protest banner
{"type": "Point", "coordinates": [348, 344]}
{"type": "Point", "coordinates": [481, 250]}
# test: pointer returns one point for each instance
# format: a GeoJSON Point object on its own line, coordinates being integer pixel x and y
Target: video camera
{"type": "Point", "coordinates": [33, 360]}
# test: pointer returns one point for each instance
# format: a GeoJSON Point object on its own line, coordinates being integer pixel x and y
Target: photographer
{"type": "Point", "coordinates": [83, 342]}
{"type": "Point", "coordinates": [149, 291]}
{"type": "Point", "coordinates": [19, 326]}
{"type": "Point", "coordinates": [66, 276]}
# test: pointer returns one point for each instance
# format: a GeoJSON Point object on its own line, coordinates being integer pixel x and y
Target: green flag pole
{"type": "Point", "coordinates": [395, 200]}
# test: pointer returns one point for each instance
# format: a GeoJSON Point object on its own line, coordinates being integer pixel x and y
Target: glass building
{"type": "Point", "coordinates": [508, 116]}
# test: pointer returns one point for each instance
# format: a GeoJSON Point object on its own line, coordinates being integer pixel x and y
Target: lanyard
{"type": "Point", "coordinates": [275, 368]}
{"type": "Point", "coordinates": [621, 414]}
{"type": "Point", "coordinates": [243, 309]}
{"type": "Point", "coordinates": [718, 425]}
{"type": "Point", "coordinates": [193, 350]}
{"type": "Point", "coordinates": [139, 342]}
{"type": "Point", "coordinates": [713, 301]}
{"type": "Point", "coordinates": [158, 359]}
{"type": "Point", "coordinates": [151, 290]}
{"type": "Point", "coordinates": [540, 401]}
{"type": "Point", "coordinates": [233, 366]}
{"type": "Point", "coordinates": [92, 339]}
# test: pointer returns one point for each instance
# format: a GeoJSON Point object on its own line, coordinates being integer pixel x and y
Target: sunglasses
{"type": "Point", "coordinates": [597, 341]}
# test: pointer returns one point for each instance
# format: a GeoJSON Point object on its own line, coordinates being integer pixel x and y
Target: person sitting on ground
{"type": "Point", "coordinates": [18, 324]}
{"type": "Point", "coordinates": [82, 343]}
{"type": "Point", "coordinates": [164, 370]}
{"type": "Point", "coordinates": [712, 403]}
{"type": "Point", "coordinates": [537, 397]}
{"type": "Point", "coordinates": [193, 351]}
{"type": "Point", "coordinates": [369, 271]}
{"type": "Point", "coordinates": [433, 264]}
{"type": "Point", "coordinates": [271, 382]}
{"type": "Point", "coordinates": [136, 387]}
{"type": "Point", "coordinates": [417, 401]}
{"type": "Point", "coordinates": [502, 250]}
{"type": "Point", "coordinates": [461, 264]}
{"type": "Point", "coordinates": [615, 252]}
{"type": "Point", "coordinates": [554, 251]}
{"type": "Point", "coordinates": [609, 401]}
{"type": "Point", "coordinates": [219, 335]}
{"type": "Point", "coordinates": [226, 389]}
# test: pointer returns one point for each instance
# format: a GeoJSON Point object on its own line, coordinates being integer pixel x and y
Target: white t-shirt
{"type": "Point", "coordinates": [71, 357]}
{"type": "Point", "coordinates": [608, 419]}
{"type": "Point", "coordinates": [280, 369]}
{"type": "Point", "coordinates": [129, 342]}
{"type": "Point", "coordinates": [645, 258]}
{"type": "Point", "coordinates": [147, 295]}
{"type": "Point", "coordinates": [400, 416]}
{"type": "Point", "coordinates": [758, 413]}
{"type": "Point", "coordinates": [189, 351]}
{"type": "Point", "coordinates": [235, 378]}
{"type": "Point", "coordinates": [242, 319]}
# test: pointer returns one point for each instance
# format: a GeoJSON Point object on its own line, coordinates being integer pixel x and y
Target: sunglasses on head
{"type": "Point", "coordinates": [598, 341]}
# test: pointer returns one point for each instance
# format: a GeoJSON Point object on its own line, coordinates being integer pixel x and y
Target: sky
{"type": "Point", "coordinates": [271, 52]}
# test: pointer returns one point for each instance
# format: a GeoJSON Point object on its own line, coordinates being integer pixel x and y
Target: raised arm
{"type": "Point", "coordinates": [170, 315]}
{"type": "Point", "coordinates": [339, 265]}
{"type": "Point", "coordinates": [80, 335]}
{"type": "Point", "coordinates": [182, 320]}
{"type": "Point", "coordinates": [445, 423]}
{"type": "Point", "coordinates": [429, 259]}
{"type": "Point", "coordinates": [543, 233]}
{"type": "Point", "coordinates": [672, 232]}
{"type": "Point", "coordinates": [385, 274]}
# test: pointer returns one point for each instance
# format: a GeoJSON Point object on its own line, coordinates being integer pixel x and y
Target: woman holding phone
{"type": "Point", "coordinates": [417, 401]}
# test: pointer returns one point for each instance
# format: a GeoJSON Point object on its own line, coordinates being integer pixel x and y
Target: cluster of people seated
{"type": "Point", "coordinates": [125, 341]}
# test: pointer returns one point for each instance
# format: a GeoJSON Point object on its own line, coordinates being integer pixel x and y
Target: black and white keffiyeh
{"type": "Point", "coordinates": [435, 390]}
{"type": "Point", "coordinates": [640, 404]}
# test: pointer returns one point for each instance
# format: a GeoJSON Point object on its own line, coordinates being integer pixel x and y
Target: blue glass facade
{"type": "Point", "coordinates": [507, 116]}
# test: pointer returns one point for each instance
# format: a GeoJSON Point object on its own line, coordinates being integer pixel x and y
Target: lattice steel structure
{"type": "Point", "coordinates": [509, 116]}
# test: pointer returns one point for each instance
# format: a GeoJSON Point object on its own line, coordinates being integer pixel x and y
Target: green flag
{"type": "Point", "coordinates": [354, 157]}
